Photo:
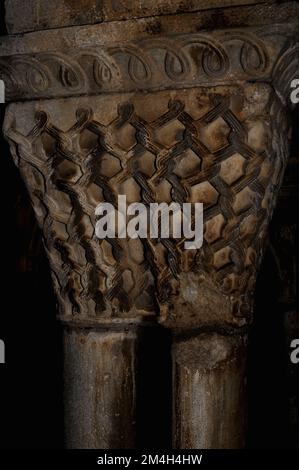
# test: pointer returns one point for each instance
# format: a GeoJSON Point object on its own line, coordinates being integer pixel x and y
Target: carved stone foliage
{"type": "Point", "coordinates": [181, 60]}
{"type": "Point", "coordinates": [216, 146]}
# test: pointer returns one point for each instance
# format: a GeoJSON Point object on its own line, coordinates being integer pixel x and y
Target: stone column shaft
{"type": "Point", "coordinates": [100, 370]}
{"type": "Point", "coordinates": [209, 386]}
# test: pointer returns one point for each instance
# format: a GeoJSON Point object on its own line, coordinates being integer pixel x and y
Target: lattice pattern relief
{"type": "Point", "coordinates": [205, 146]}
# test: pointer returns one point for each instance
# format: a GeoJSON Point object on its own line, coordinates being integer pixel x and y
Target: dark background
{"type": "Point", "coordinates": [31, 403]}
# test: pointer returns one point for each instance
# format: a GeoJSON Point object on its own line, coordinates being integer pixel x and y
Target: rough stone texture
{"type": "Point", "coordinates": [209, 384]}
{"type": "Point", "coordinates": [123, 31]}
{"type": "Point", "coordinates": [100, 396]}
{"type": "Point", "coordinates": [42, 14]}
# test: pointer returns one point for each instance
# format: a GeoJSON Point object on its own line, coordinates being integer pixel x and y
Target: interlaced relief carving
{"type": "Point", "coordinates": [202, 146]}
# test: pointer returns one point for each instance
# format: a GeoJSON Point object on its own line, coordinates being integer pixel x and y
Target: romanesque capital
{"type": "Point", "coordinates": [159, 109]}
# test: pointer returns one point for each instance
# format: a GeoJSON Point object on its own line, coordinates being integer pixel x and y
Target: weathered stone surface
{"type": "Point", "coordinates": [42, 14]}
{"type": "Point", "coordinates": [209, 383]}
{"type": "Point", "coordinates": [118, 31]}
{"type": "Point", "coordinates": [100, 389]}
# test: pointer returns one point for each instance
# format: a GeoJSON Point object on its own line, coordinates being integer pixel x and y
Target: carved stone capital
{"type": "Point", "coordinates": [216, 146]}
{"type": "Point", "coordinates": [179, 114]}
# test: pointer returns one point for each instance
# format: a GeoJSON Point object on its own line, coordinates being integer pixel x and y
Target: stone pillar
{"type": "Point", "coordinates": [209, 384]}
{"type": "Point", "coordinates": [100, 388]}
{"type": "Point", "coordinates": [189, 107]}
